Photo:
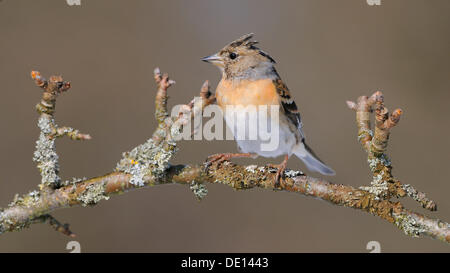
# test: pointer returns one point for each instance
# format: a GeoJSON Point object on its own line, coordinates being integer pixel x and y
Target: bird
{"type": "Point", "coordinates": [248, 78]}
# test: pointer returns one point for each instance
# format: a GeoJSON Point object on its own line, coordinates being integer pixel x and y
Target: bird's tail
{"type": "Point", "coordinates": [311, 160]}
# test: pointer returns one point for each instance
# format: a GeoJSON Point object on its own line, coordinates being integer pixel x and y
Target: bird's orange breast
{"type": "Point", "coordinates": [246, 92]}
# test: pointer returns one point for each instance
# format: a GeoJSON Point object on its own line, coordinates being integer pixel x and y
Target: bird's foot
{"type": "Point", "coordinates": [279, 176]}
{"type": "Point", "coordinates": [220, 158]}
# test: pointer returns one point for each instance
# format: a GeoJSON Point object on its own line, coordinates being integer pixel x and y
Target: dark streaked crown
{"type": "Point", "coordinates": [247, 42]}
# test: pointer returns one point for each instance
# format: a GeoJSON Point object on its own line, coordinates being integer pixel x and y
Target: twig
{"type": "Point", "coordinates": [45, 155]}
{"type": "Point", "coordinates": [384, 185]}
{"type": "Point", "coordinates": [63, 228]}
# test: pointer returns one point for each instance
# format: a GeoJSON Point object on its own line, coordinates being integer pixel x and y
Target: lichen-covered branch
{"type": "Point", "coordinates": [148, 165]}
{"type": "Point", "coordinates": [45, 155]}
{"type": "Point", "coordinates": [91, 191]}
{"type": "Point", "coordinates": [375, 143]}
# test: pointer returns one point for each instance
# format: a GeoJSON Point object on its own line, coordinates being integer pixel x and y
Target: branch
{"type": "Point", "coordinates": [45, 155]}
{"type": "Point", "coordinates": [148, 165]}
{"type": "Point", "coordinates": [383, 184]}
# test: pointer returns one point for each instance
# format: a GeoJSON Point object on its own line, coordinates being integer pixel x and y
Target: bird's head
{"type": "Point", "coordinates": [241, 59]}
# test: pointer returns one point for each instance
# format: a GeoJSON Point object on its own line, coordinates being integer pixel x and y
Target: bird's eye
{"type": "Point", "coordinates": [233, 55]}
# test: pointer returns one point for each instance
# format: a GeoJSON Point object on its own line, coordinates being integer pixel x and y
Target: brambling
{"type": "Point", "coordinates": [249, 78]}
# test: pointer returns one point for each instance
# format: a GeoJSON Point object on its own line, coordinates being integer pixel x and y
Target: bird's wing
{"type": "Point", "coordinates": [288, 105]}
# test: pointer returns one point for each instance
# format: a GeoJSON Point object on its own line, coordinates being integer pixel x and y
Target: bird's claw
{"type": "Point", "coordinates": [220, 158]}
{"type": "Point", "coordinates": [279, 175]}
{"type": "Point", "coordinates": [216, 158]}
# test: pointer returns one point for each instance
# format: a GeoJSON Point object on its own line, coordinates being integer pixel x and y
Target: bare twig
{"type": "Point", "coordinates": [47, 218]}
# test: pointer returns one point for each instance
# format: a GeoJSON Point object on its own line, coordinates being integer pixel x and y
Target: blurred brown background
{"type": "Point", "coordinates": [327, 52]}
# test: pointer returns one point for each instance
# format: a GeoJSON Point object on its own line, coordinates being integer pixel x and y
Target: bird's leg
{"type": "Point", "coordinates": [220, 158]}
{"type": "Point", "coordinates": [279, 179]}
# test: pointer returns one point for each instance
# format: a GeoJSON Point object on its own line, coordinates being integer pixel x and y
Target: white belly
{"type": "Point", "coordinates": [252, 136]}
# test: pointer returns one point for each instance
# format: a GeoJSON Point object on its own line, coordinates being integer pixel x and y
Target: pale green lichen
{"type": "Point", "coordinates": [45, 155]}
{"type": "Point", "coordinates": [200, 191]}
{"type": "Point", "coordinates": [93, 194]}
{"type": "Point", "coordinates": [375, 162]}
{"type": "Point", "coordinates": [138, 172]}
{"type": "Point", "coordinates": [34, 195]}
{"type": "Point", "coordinates": [413, 193]}
{"type": "Point", "coordinates": [409, 224]}
{"type": "Point", "coordinates": [419, 197]}
{"type": "Point", "coordinates": [45, 124]}
{"type": "Point", "coordinates": [31, 199]}
{"type": "Point", "coordinates": [73, 181]}
{"type": "Point", "coordinates": [292, 173]}
{"type": "Point", "coordinates": [385, 160]}
{"type": "Point", "coordinates": [9, 225]}
{"type": "Point", "coordinates": [16, 200]}
{"type": "Point", "coordinates": [28, 200]}
{"type": "Point", "coordinates": [363, 132]}
{"type": "Point", "coordinates": [147, 159]}
{"type": "Point", "coordinates": [251, 168]}
{"type": "Point", "coordinates": [379, 187]}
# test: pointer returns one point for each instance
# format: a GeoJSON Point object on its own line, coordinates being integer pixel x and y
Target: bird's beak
{"type": "Point", "coordinates": [214, 59]}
